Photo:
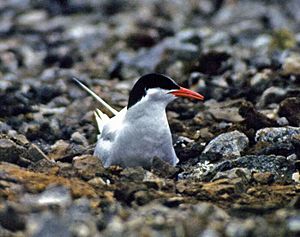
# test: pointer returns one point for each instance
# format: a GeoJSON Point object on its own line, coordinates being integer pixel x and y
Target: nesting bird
{"type": "Point", "coordinates": [140, 131]}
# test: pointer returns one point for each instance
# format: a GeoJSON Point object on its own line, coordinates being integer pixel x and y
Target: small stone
{"type": "Point", "coordinates": [36, 153]}
{"type": "Point", "coordinates": [4, 128]}
{"type": "Point", "coordinates": [162, 168]}
{"type": "Point", "coordinates": [213, 62]}
{"type": "Point", "coordinates": [225, 111]}
{"type": "Point", "coordinates": [97, 181]}
{"type": "Point", "coordinates": [20, 139]}
{"type": "Point", "coordinates": [263, 178]}
{"type": "Point", "coordinates": [79, 139]}
{"type": "Point", "coordinates": [234, 173]}
{"type": "Point", "coordinates": [13, 153]}
{"type": "Point", "coordinates": [59, 150]}
{"type": "Point", "coordinates": [294, 224]}
{"type": "Point", "coordinates": [11, 219]}
{"type": "Point", "coordinates": [296, 177]}
{"type": "Point", "coordinates": [88, 166]}
{"type": "Point", "coordinates": [209, 233]}
{"type": "Point", "coordinates": [291, 65]}
{"type": "Point", "coordinates": [282, 121]}
{"type": "Point", "coordinates": [290, 109]}
{"type": "Point", "coordinates": [271, 95]}
{"type": "Point", "coordinates": [32, 17]}
{"type": "Point", "coordinates": [253, 118]}
{"type": "Point", "coordinates": [133, 174]}
{"type": "Point", "coordinates": [227, 145]}
{"type": "Point", "coordinates": [152, 181]}
{"type": "Point", "coordinates": [49, 224]}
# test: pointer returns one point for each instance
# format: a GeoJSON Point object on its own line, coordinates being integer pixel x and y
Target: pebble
{"type": "Point", "coordinates": [36, 153]}
{"type": "Point", "coordinates": [79, 139]}
{"type": "Point", "coordinates": [263, 178]}
{"type": "Point", "coordinates": [294, 224]}
{"type": "Point", "coordinates": [270, 96]}
{"type": "Point", "coordinates": [291, 65]}
{"type": "Point", "coordinates": [290, 109]}
{"type": "Point", "coordinates": [13, 153]}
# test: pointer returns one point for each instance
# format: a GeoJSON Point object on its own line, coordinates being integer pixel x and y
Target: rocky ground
{"type": "Point", "coordinates": [239, 150]}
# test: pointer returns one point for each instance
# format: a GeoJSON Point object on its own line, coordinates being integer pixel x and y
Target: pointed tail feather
{"type": "Point", "coordinates": [93, 94]}
{"type": "Point", "coordinates": [101, 119]}
{"type": "Point", "coordinates": [100, 123]}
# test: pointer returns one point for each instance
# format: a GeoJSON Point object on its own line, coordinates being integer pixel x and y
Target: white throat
{"type": "Point", "coordinates": [152, 105]}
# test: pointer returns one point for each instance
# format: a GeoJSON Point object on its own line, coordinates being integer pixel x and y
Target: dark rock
{"type": "Point", "coordinates": [163, 169]}
{"type": "Point", "coordinates": [133, 174]}
{"type": "Point", "coordinates": [188, 151]}
{"type": "Point", "coordinates": [213, 63]}
{"type": "Point", "coordinates": [253, 118]}
{"type": "Point", "coordinates": [9, 150]}
{"type": "Point", "coordinates": [281, 149]}
{"type": "Point", "coordinates": [88, 166]}
{"type": "Point", "coordinates": [290, 108]}
{"type": "Point", "coordinates": [279, 166]}
{"type": "Point", "coordinates": [142, 39]}
{"type": "Point", "coordinates": [11, 219]}
{"type": "Point", "coordinates": [36, 153]}
{"type": "Point", "coordinates": [263, 178]}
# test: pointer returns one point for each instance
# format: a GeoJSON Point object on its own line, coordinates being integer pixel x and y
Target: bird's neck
{"type": "Point", "coordinates": [148, 110]}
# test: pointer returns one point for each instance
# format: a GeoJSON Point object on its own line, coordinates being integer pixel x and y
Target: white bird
{"type": "Point", "coordinates": [140, 131]}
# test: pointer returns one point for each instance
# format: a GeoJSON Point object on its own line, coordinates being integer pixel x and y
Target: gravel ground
{"type": "Point", "coordinates": [239, 150]}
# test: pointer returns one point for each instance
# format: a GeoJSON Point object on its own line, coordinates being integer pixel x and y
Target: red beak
{"type": "Point", "coordinates": [183, 92]}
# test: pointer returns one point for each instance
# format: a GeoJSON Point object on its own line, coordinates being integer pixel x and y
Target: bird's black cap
{"type": "Point", "coordinates": [152, 80]}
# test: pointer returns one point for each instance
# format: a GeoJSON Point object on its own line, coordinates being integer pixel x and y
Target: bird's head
{"type": "Point", "coordinates": [159, 88]}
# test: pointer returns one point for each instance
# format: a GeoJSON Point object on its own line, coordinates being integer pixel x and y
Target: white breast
{"type": "Point", "coordinates": [136, 136]}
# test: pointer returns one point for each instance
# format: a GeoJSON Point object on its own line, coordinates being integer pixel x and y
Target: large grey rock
{"type": "Point", "coordinates": [227, 145]}
{"type": "Point", "coordinates": [279, 166]}
{"type": "Point", "coordinates": [277, 135]}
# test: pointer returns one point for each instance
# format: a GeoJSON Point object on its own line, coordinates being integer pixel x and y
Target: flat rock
{"type": "Point", "coordinates": [88, 166]}
{"type": "Point", "coordinates": [277, 135]}
{"type": "Point", "coordinates": [279, 166]}
{"type": "Point", "coordinates": [227, 145]}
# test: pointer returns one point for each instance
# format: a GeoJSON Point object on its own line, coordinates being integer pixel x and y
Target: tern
{"type": "Point", "coordinates": [140, 131]}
